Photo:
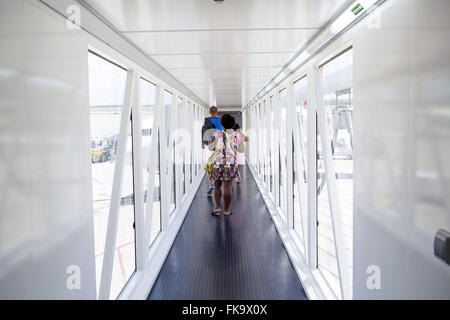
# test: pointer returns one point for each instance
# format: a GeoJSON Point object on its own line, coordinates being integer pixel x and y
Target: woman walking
{"type": "Point", "coordinates": [226, 144]}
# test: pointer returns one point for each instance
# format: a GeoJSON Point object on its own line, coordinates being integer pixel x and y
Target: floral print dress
{"type": "Point", "coordinates": [225, 166]}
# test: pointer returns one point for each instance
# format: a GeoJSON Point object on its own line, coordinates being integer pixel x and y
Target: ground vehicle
{"type": "Point", "coordinates": [103, 149]}
{"type": "Point", "coordinates": [98, 150]}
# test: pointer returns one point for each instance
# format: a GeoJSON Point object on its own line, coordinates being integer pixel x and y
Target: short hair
{"type": "Point", "coordinates": [213, 110]}
{"type": "Point", "coordinates": [228, 121]}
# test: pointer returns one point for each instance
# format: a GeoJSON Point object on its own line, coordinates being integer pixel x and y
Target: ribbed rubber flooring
{"type": "Point", "coordinates": [228, 258]}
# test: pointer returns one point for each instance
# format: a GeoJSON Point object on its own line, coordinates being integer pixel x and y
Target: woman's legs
{"type": "Point", "coordinates": [218, 194]}
{"type": "Point", "coordinates": [211, 185]}
{"type": "Point", "coordinates": [227, 196]}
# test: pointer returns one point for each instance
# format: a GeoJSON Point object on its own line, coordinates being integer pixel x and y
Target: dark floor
{"type": "Point", "coordinates": [228, 258]}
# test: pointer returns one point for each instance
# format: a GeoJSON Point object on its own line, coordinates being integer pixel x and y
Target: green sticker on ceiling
{"type": "Point", "coordinates": [357, 9]}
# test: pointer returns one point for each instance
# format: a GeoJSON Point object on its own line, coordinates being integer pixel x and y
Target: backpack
{"type": "Point", "coordinates": [208, 131]}
{"type": "Point", "coordinates": [226, 156]}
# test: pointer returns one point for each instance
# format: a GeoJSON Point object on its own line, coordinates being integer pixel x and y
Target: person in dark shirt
{"type": "Point", "coordinates": [211, 125]}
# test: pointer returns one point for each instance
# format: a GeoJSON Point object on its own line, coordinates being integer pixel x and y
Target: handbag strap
{"type": "Point", "coordinates": [224, 140]}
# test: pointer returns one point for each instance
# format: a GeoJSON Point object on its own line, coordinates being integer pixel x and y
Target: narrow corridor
{"type": "Point", "coordinates": [236, 257]}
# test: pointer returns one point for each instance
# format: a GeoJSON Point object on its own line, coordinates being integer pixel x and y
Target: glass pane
{"type": "Point", "coordinates": [269, 144]}
{"type": "Point", "coordinates": [148, 110]}
{"type": "Point", "coordinates": [170, 150]}
{"type": "Point", "coordinates": [261, 139]}
{"type": "Point", "coordinates": [283, 158]}
{"type": "Point", "coordinates": [338, 96]}
{"type": "Point", "coordinates": [265, 150]}
{"type": "Point", "coordinates": [326, 253]}
{"type": "Point", "coordinates": [181, 152]}
{"type": "Point", "coordinates": [197, 144]}
{"type": "Point", "coordinates": [297, 199]}
{"type": "Point", "coordinates": [272, 164]}
{"type": "Point", "coordinates": [125, 254]}
{"type": "Point", "coordinates": [300, 156]}
{"type": "Point", "coordinates": [156, 219]}
{"type": "Point", "coordinates": [258, 121]}
{"type": "Point", "coordinates": [194, 145]}
{"type": "Point", "coordinates": [106, 97]}
{"type": "Point", "coordinates": [190, 153]}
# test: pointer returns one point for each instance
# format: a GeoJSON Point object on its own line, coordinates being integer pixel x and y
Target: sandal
{"type": "Point", "coordinates": [216, 213]}
{"type": "Point", "coordinates": [229, 213]}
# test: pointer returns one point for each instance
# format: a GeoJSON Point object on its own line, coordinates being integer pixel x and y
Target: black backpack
{"type": "Point", "coordinates": [208, 131]}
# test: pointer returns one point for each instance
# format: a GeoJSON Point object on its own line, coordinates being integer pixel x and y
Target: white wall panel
{"type": "Point", "coordinates": [402, 182]}
{"type": "Point", "coordinates": [45, 199]}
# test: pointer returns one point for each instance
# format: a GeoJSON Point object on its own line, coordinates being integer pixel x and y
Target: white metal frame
{"type": "Point", "coordinates": [276, 147]}
{"type": "Point", "coordinates": [111, 233]}
{"type": "Point", "coordinates": [312, 175]}
{"type": "Point", "coordinates": [304, 255]}
{"type": "Point", "coordinates": [139, 215]}
{"type": "Point", "coordinates": [299, 168]}
{"type": "Point", "coordinates": [155, 145]}
{"type": "Point", "coordinates": [331, 187]}
{"type": "Point", "coordinates": [281, 168]}
{"type": "Point", "coordinates": [290, 110]}
{"type": "Point", "coordinates": [175, 148]}
{"type": "Point", "coordinates": [149, 258]}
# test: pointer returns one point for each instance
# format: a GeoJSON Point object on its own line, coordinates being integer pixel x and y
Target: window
{"type": "Point", "coordinates": [282, 153]}
{"type": "Point", "coordinates": [196, 143]}
{"type": "Point", "coordinates": [265, 149]}
{"type": "Point", "coordinates": [170, 151]}
{"type": "Point", "coordinates": [260, 144]}
{"type": "Point", "coordinates": [106, 97]}
{"type": "Point", "coordinates": [148, 112]}
{"type": "Point", "coordinates": [300, 156]}
{"type": "Point", "coordinates": [190, 164]}
{"type": "Point", "coordinates": [338, 96]}
{"type": "Point", "coordinates": [125, 254]}
{"type": "Point", "coordinates": [272, 127]}
{"type": "Point", "coordinates": [181, 146]}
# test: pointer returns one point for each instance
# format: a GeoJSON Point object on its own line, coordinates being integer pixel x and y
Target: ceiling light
{"type": "Point", "coordinates": [350, 14]}
{"type": "Point", "coordinates": [298, 61]}
{"type": "Point", "coordinates": [279, 78]}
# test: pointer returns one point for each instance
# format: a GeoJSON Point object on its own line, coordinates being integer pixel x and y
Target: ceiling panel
{"type": "Point", "coordinates": [210, 42]}
{"type": "Point", "coordinates": [156, 15]}
{"type": "Point", "coordinates": [223, 52]}
{"type": "Point", "coordinates": [236, 72]}
{"type": "Point", "coordinates": [228, 61]}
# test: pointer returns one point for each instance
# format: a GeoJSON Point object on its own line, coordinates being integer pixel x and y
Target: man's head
{"type": "Point", "coordinates": [228, 121]}
{"type": "Point", "coordinates": [213, 111]}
